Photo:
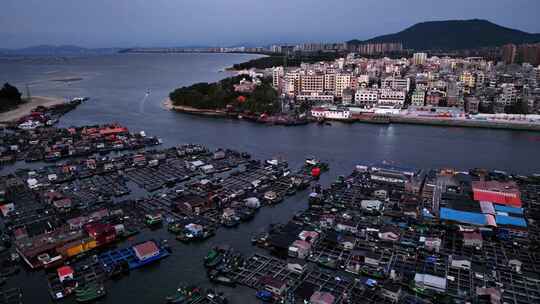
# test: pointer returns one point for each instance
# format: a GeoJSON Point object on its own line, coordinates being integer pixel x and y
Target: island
{"type": "Point", "coordinates": [246, 96]}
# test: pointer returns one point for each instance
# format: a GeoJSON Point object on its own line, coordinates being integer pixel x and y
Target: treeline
{"type": "Point", "coordinates": [292, 60]}
{"type": "Point", "coordinates": [221, 95]}
{"type": "Point", "coordinates": [10, 97]}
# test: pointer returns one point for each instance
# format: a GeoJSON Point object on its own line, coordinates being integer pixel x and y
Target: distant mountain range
{"type": "Point", "coordinates": [54, 50]}
{"type": "Point", "coordinates": [431, 35]}
{"type": "Point", "coordinates": [455, 35]}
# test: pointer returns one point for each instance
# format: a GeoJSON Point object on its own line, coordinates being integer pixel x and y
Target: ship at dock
{"type": "Point", "coordinates": [135, 256]}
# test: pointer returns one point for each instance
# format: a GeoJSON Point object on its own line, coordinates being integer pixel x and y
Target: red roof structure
{"type": "Point", "coordinates": [65, 272]}
{"type": "Point", "coordinates": [146, 250]}
{"type": "Point", "coordinates": [504, 193]}
{"type": "Point", "coordinates": [113, 130]}
{"type": "Point", "coordinates": [241, 99]}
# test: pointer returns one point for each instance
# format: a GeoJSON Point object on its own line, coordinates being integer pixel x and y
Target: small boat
{"type": "Point", "coordinates": [260, 238]}
{"type": "Point", "coordinates": [89, 293]}
{"type": "Point", "coordinates": [79, 99]}
{"type": "Point", "coordinates": [264, 295]}
{"type": "Point", "coordinates": [213, 263]}
{"type": "Point", "coordinates": [207, 233]}
{"type": "Point", "coordinates": [231, 222]}
{"type": "Point", "coordinates": [153, 219]}
{"type": "Point", "coordinates": [213, 258]}
{"type": "Point", "coordinates": [185, 295]}
{"type": "Point", "coordinates": [30, 125]}
{"type": "Point", "coordinates": [271, 197]}
{"type": "Point", "coordinates": [291, 191]}
{"type": "Point", "coordinates": [313, 162]}
{"type": "Point", "coordinates": [175, 228]}
{"type": "Point", "coordinates": [327, 263]}
{"type": "Point", "coordinates": [246, 214]}
{"type": "Point", "coordinates": [119, 270]}
{"type": "Point", "coordinates": [216, 297]}
{"type": "Point", "coordinates": [216, 277]}
{"type": "Point", "coordinates": [131, 255]}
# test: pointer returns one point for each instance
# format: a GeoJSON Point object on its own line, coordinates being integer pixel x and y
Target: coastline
{"type": "Point", "coordinates": [484, 124]}
{"type": "Point", "coordinates": [27, 108]}
{"type": "Point", "coordinates": [167, 104]}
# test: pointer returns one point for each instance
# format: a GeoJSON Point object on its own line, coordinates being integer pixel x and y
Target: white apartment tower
{"type": "Point", "coordinates": [419, 58]}
{"type": "Point", "coordinates": [343, 81]}
{"type": "Point", "coordinates": [277, 74]}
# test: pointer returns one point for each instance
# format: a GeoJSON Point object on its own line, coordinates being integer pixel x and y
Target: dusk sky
{"type": "Point", "coordinates": [126, 23]}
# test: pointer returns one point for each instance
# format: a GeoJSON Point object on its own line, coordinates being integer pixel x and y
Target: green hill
{"type": "Point", "coordinates": [455, 35]}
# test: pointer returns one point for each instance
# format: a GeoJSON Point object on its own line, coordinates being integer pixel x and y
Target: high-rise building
{"type": "Point", "coordinates": [508, 94]}
{"type": "Point", "coordinates": [312, 83]}
{"type": "Point", "coordinates": [480, 78]}
{"type": "Point", "coordinates": [275, 48]}
{"type": "Point", "coordinates": [468, 79]}
{"type": "Point", "coordinates": [366, 97]}
{"type": "Point", "coordinates": [291, 83]}
{"type": "Point", "coordinates": [330, 82]}
{"type": "Point", "coordinates": [363, 79]}
{"type": "Point", "coordinates": [375, 48]}
{"type": "Point", "coordinates": [471, 105]}
{"type": "Point", "coordinates": [419, 58]}
{"type": "Point", "coordinates": [396, 83]}
{"type": "Point", "coordinates": [343, 81]}
{"type": "Point", "coordinates": [509, 52]}
{"type": "Point", "coordinates": [418, 97]}
{"type": "Point", "coordinates": [389, 97]}
{"type": "Point", "coordinates": [277, 75]}
{"type": "Point", "coordinates": [529, 53]}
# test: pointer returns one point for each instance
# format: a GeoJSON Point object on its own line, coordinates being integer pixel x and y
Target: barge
{"type": "Point", "coordinates": [135, 256]}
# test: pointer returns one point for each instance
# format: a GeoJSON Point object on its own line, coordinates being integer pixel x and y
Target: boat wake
{"type": "Point", "coordinates": [142, 102]}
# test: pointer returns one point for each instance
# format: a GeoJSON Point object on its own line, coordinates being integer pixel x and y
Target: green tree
{"type": "Point", "coordinates": [10, 97]}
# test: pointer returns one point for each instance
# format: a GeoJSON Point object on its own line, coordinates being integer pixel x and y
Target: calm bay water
{"type": "Point", "coordinates": [117, 86]}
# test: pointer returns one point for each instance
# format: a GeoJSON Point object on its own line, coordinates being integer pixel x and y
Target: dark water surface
{"type": "Point", "coordinates": [117, 86]}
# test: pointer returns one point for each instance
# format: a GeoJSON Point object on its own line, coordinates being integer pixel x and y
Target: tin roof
{"type": "Point", "coordinates": [505, 193]}
{"type": "Point", "coordinates": [65, 271]}
{"type": "Point", "coordinates": [511, 220]}
{"type": "Point", "coordinates": [145, 249]}
{"type": "Point", "coordinates": [463, 216]}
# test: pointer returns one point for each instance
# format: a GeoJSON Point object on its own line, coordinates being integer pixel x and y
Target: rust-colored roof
{"type": "Point", "coordinates": [506, 193]}
{"type": "Point", "coordinates": [145, 249]}
{"type": "Point", "coordinates": [65, 271]}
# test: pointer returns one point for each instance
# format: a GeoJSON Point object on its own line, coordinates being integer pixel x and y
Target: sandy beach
{"type": "Point", "coordinates": [167, 104]}
{"type": "Point", "coordinates": [27, 107]}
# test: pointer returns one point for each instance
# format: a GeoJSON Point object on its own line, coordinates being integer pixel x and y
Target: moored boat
{"type": "Point", "coordinates": [89, 293]}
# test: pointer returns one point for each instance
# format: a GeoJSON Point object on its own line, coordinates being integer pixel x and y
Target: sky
{"type": "Point", "coordinates": [152, 23]}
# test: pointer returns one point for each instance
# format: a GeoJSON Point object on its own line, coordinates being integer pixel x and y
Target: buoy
{"type": "Point", "coordinates": [316, 172]}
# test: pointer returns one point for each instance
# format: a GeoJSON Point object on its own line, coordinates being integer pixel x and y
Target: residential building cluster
{"type": "Point", "coordinates": [512, 53]}
{"type": "Point", "coordinates": [470, 84]}
{"type": "Point", "coordinates": [357, 47]}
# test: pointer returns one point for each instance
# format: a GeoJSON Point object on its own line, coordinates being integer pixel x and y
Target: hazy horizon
{"type": "Point", "coordinates": [128, 23]}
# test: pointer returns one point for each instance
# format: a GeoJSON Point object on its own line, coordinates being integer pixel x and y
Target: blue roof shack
{"type": "Point", "coordinates": [463, 216]}
{"type": "Point", "coordinates": [508, 209]}
{"type": "Point", "coordinates": [510, 221]}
